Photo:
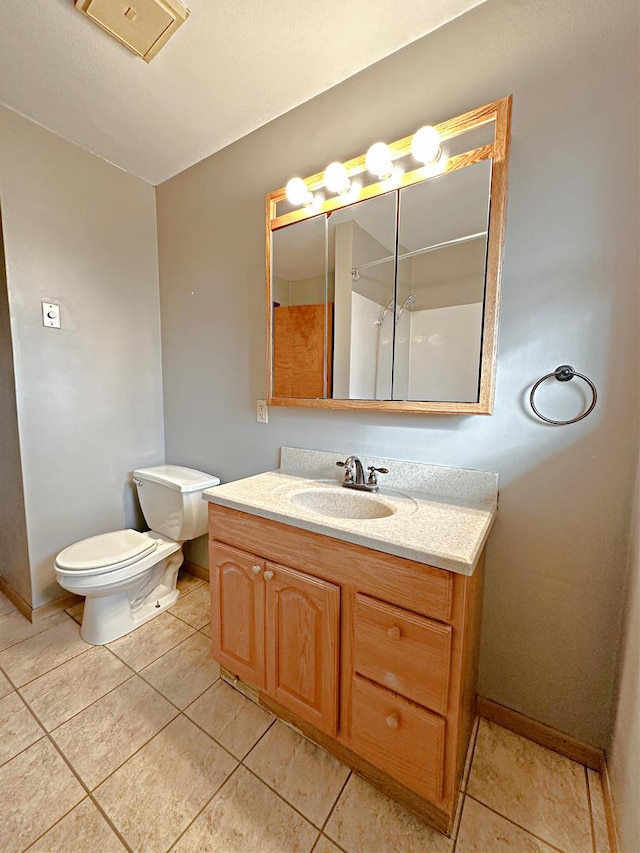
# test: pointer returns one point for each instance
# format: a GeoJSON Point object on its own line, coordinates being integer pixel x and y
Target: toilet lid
{"type": "Point", "coordinates": [117, 549]}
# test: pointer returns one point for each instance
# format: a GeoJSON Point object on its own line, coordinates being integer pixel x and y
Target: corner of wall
{"type": "Point", "coordinates": [14, 550]}
{"type": "Point", "coordinates": [624, 749]}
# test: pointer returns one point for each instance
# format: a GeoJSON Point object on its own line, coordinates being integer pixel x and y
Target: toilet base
{"type": "Point", "coordinates": [106, 618]}
{"type": "Point", "coordinates": [124, 607]}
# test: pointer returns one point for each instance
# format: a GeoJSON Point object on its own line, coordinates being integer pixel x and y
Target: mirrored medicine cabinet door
{"type": "Point", "coordinates": [387, 299]}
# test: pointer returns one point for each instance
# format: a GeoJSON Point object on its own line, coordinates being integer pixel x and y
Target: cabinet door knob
{"type": "Point", "coordinates": [394, 633]}
{"type": "Point", "coordinates": [256, 569]}
{"type": "Point", "coordinates": [393, 721]}
{"type": "Point", "coordinates": [268, 575]}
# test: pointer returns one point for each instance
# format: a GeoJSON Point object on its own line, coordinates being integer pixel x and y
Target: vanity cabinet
{"type": "Point", "coordinates": [373, 656]}
{"type": "Point", "coordinates": [278, 629]}
{"type": "Point", "coordinates": [237, 619]}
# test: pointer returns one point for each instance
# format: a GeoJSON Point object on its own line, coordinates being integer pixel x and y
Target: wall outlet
{"type": "Point", "coordinates": [262, 412]}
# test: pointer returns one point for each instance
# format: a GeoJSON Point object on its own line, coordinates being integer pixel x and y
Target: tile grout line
{"type": "Point", "coordinates": [53, 668]}
{"type": "Point", "coordinates": [117, 657]}
{"type": "Point", "coordinates": [208, 622]}
{"type": "Point", "coordinates": [263, 781]}
{"type": "Point", "coordinates": [259, 778]}
{"type": "Point", "coordinates": [465, 783]}
{"type": "Point", "coordinates": [113, 689]}
{"type": "Point", "coordinates": [331, 811]}
{"type": "Point", "coordinates": [22, 751]}
{"type": "Point", "coordinates": [204, 731]}
{"type": "Point", "coordinates": [184, 622]}
{"type": "Point", "coordinates": [73, 771]}
{"type": "Point", "coordinates": [315, 843]}
{"type": "Point", "coordinates": [93, 702]}
{"type": "Point", "coordinates": [105, 816]}
{"type": "Point", "coordinates": [205, 806]}
{"type": "Point", "coordinates": [47, 671]}
{"type": "Point", "coordinates": [264, 733]}
{"type": "Point", "coordinates": [149, 739]}
{"type": "Point", "coordinates": [472, 750]}
{"type": "Point", "coordinates": [60, 665]}
{"type": "Point", "coordinates": [166, 698]}
{"type": "Point", "coordinates": [192, 702]}
{"type": "Point", "coordinates": [253, 773]}
{"type": "Point", "coordinates": [137, 672]}
{"type": "Point", "coordinates": [281, 797]}
{"type": "Point", "coordinates": [240, 763]}
{"type": "Point", "coordinates": [456, 833]}
{"type": "Point", "coordinates": [37, 633]}
{"type": "Point", "coordinates": [509, 820]}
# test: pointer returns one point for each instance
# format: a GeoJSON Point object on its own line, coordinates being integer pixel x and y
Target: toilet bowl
{"type": "Point", "coordinates": [128, 577]}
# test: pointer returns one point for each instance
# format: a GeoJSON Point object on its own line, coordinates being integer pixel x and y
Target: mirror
{"type": "Point", "coordinates": [386, 297]}
{"type": "Point", "coordinates": [302, 317]}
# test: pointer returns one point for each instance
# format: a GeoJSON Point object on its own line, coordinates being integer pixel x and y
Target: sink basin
{"type": "Point", "coordinates": [342, 503]}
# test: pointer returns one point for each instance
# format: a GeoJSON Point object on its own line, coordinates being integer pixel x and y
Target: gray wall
{"type": "Point", "coordinates": [81, 233]}
{"type": "Point", "coordinates": [624, 755]}
{"type": "Point", "coordinates": [559, 548]}
{"type": "Point", "coordinates": [14, 549]}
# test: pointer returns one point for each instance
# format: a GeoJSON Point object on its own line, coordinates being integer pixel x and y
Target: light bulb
{"type": "Point", "coordinates": [298, 192]}
{"type": "Point", "coordinates": [336, 178]}
{"type": "Point", "coordinates": [393, 180]}
{"type": "Point", "coordinates": [425, 145]}
{"type": "Point", "coordinates": [378, 160]}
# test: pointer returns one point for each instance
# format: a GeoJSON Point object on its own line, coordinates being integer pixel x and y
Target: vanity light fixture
{"type": "Point", "coordinates": [425, 145]}
{"type": "Point", "coordinates": [336, 178]}
{"type": "Point", "coordinates": [378, 160]}
{"type": "Point", "coordinates": [298, 192]}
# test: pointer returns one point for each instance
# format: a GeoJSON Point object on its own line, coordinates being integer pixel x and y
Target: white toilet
{"type": "Point", "coordinates": [129, 577]}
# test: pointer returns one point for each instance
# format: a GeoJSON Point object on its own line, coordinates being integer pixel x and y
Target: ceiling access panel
{"type": "Point", "coordinates": [143, 26]}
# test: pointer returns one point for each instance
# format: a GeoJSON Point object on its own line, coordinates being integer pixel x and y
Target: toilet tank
{"type": "Point", "coordinates": [171, 500]}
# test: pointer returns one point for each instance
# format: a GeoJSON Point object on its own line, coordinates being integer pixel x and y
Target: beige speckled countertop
{"type": "Point", "coordinates": [434, 515]}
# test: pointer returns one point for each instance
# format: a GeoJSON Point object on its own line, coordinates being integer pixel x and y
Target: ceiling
{"type": "Point", "coordinates": [232, 67]}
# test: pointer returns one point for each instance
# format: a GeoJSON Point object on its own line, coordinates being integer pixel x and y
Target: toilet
{"type": "Point", "coordinates": [129, 577]}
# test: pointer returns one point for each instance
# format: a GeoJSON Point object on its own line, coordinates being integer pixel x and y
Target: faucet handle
{"type": "Point", "coordinates": [373, 471]}
{"type": "Point", "coordinates": [348, 474]}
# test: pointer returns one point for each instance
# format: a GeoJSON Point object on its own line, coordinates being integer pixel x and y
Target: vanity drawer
{"type": "Point", "coordinates": [402, 651]}
{"type": "Point", "coordinates": [405, 741]}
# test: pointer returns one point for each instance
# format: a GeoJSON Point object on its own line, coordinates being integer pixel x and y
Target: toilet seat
{"type": "Point", "coordinates": [105, 552]}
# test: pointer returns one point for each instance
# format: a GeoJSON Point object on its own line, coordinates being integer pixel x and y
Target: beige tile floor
{"type": "Point", "coordinates": [139, 745]}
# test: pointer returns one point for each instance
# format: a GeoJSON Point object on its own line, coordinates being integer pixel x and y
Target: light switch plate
{"type": "Point", "coordinates": [50, 315]}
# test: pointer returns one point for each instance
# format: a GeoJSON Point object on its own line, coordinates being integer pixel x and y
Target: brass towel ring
{"type": "Point", "coordinates": [564, 373]}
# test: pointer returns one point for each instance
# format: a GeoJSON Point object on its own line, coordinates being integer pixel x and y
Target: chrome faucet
{"type": "Point", "coordinates": [354, 475]}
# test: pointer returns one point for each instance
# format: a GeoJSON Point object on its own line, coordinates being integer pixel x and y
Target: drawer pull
{"type": "Point", "coordinates": [268, 575]}
{"type": "Point", "coordinates": [393, 721]}
{"type": "Point", "coordinates": [256, 569]}
{"type": "Point", "coordinates": [394, 633]}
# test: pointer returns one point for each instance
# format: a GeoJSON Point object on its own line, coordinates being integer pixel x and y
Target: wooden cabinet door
{"type": "Point", "coordinates": [302, 644]}
{"type": "Point", "coordinates": [237, 612]}
{"type": "Point", "coordinates": [301, 360]}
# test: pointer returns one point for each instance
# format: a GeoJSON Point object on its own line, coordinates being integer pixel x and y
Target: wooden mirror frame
{"type": "Point", "coordinates": [499, 112]}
